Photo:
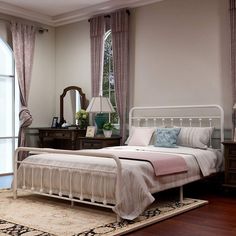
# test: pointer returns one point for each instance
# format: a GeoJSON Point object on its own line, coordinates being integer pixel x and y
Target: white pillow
{"type": "Point", "coordinates": [140, 136]}
{"type": "Point", "coordinates": [196, 137]}
{"type": "Point", "coordinates": [154, 135]}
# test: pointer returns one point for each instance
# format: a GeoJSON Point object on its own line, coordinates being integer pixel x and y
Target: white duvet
{"type": "Point", "coordinates": [138, 178]}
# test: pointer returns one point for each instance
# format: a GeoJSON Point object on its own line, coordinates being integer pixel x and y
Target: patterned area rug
{"type": "Point", "coordinates": [32, 215]}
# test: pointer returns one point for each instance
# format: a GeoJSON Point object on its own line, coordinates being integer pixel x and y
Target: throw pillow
{"type": "Point", "coordinates": [167, 137]}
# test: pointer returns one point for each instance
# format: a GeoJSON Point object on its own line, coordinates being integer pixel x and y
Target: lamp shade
{"type": "Point", "coordinates": [100, 105]}
{"type": "Point", "coordinates": [234, 106]}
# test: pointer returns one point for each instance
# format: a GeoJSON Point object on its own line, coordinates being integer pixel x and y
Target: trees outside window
{"type": "Point", "coordinates": [108, 85]}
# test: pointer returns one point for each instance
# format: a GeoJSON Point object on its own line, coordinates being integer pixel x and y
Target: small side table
{"type": "Point", "coordinates": [99, 142]}
{"type": "Point", "coordinates": [230, 164]}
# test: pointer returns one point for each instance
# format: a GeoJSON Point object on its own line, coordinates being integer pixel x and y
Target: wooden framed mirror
{"type": "Point", "coordinates": [71, 100]}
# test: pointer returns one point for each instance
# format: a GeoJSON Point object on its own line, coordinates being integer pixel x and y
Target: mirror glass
{"type": "Point", "coordinates": [72, 104]}
{"type": "Point", "coordinates": [71, 100]}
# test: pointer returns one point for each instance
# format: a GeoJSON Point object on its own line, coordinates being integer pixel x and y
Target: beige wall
{"type": "Point", "coordinates": [5, 32]}
{"type": "Point", "coordinates": [73, 59]}
{"type": "Point", "coordinates": [181, 54]}
{"type": "Point", "coordinates": [42, 91]}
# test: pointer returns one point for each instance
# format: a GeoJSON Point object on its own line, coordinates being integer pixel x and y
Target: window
{"type": "Point", "coordinates": [108, 85]}
{"type": "Point", "coordinates": [9, 108]}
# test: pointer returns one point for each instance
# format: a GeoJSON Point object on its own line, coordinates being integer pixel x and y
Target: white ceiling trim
{"type": "Point", "coordinates": [22, 13]}
{"type": "Point", "coordinates": [73, 16]}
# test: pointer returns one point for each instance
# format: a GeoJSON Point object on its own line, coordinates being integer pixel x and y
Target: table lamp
{"type": "Point", "coordinates": [101, 106]}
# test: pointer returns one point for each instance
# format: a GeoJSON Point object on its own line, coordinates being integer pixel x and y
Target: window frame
{"type": "Point", "coordinates": [15, 91]}
{"type": "Point", "coordinates": [109, 90]}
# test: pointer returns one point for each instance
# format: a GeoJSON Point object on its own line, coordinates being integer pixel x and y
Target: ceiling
{"type": "Point", "coordinates": [61, 12]}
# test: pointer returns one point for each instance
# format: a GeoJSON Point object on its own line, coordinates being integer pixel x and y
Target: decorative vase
{"type": "Point", "coordinates": [107, 133]}
{"type": "Point", "coordinates": [82, 124]}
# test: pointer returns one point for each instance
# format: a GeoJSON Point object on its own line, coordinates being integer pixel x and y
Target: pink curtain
{"type": "Point", "coordinates": [233, 53]}
{"type": "Point", "coordinates": [23, 37]}
{"type": "Point", "coordinates": [97, 31]}
{"type": "Point", "coordinates": [120, 47]}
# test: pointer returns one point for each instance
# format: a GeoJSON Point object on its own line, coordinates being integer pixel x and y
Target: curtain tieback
{"type": "Point", "coordinates": [25, 117]}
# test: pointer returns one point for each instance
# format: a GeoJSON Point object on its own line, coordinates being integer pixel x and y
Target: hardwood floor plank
{"type": "Point", "coordinates": [218, 218]}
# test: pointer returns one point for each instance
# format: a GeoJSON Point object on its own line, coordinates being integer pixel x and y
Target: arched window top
{"type": "Point", "coordinates": [107, 34]}
{"type": "Point", "coordinates": [7, 63]}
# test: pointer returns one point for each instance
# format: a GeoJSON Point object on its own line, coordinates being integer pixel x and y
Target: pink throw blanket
{"type": "Point", "coordinates": [163, 163]}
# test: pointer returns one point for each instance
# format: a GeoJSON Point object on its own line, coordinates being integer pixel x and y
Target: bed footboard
{"type": "Point", "coordinates": [70, 197]}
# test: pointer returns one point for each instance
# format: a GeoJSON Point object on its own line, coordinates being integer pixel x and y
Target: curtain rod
{"type": "Point", "coordinates": [108, 15]}
{"type": "Point", "coordinates": [40, 29]}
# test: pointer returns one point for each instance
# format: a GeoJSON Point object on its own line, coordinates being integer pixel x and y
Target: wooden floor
{"type": "Point", "coordinates": [218, 218]}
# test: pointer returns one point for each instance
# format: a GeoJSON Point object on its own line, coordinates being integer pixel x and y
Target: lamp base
{"type": "Point", "coordinates": [100, 120]}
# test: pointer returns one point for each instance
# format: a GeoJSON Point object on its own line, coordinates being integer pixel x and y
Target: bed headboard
{"type": "Point", "coordinates": [186, 115]}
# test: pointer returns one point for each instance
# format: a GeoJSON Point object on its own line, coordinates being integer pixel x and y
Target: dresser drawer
{"type": "Point", "coordinates": [99, 142]}
{"type": "Point", "coordinates": [91, 145]}
{"type": "Point", "coordinates": [111, 143]}
{"type": "Point", "coordinates": [230, 178]}
{"type": "Point", "coordinates": [232, 152]}
{"type": "Point", "coordinates": [232, 164]}
{"type": "Point", "coordinates": [59, 134]}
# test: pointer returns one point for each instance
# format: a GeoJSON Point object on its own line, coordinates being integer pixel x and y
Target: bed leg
{"type": "Point", "coordinates": [15, 158]}
{"type": "Point", "coordinates": [72, 203]}
{"type": "Point", "coordinates": [14, 194]}
{"type": "Point", "coordinates": [181, 195]}
{"type": "Point", "coordinates": [118, 218]}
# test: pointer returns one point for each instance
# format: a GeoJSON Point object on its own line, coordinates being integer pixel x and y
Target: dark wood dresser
{"type": "Point", "coordinates": [73, 139]}
{"type": "Point", "coordinates": [230, 164]}
{"type": "Point", "coordinates": [60, 138]}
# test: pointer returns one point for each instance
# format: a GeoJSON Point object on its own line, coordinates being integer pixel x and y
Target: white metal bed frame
{"type": "Point", "coordinates": [118, 173]}
{"type": "Point", "coordinates": [82, 171]}
{"type": "Point", "coordinates": [180, 120]}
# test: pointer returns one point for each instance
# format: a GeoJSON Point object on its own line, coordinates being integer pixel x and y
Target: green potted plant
{"type": "Point", "coordinates": [107, 129]}
{"type": "Point", "coordinates": [82, 118]}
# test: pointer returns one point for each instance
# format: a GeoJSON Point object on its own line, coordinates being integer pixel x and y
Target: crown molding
{"type": "Point", "coordinates": [9, 9]}
{"type": "Point", "coordinates": [73, 16]}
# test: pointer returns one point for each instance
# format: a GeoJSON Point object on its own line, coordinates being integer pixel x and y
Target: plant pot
{"type": "Point", "coordinates": [82, 124]}
{"type": "Point", "coordinates": [107, 133]}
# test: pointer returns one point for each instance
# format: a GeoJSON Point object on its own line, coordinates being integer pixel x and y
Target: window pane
{"type": "Point", "coordinates": [9, 108]}
{"type": "Point", "coordinates": [6, 155]}
{"type": "Point", "coordinates": [112, 98]}
{"type": "Point", "coordinates": [114, 118]}
{"type": "Point", "coordinates": [6, 110]}
{"type": "Point", "coordinates": [108, 76]}
{"type": "Point", "coordinates": [6, 65]}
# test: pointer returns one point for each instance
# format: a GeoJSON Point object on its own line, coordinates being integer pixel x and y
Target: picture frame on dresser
{"type": "Point", "coordinates": [90, 132]}
{"type": "Point", "coordinates": [54, 122]}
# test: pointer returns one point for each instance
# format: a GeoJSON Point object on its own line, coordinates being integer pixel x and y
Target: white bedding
{"type": "Point", "coordinates": [138, 178]}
